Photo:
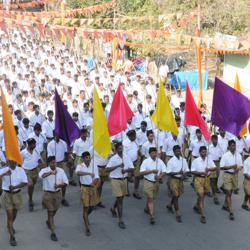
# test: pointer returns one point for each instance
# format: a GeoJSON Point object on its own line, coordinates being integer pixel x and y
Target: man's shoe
{"type": "Point", "coordinates": [178, 219]}
{"type": "Point", "coordinates": [203, 220]}
{"type": "Point", "coordinates": [225, 208]}
{"type": "Point", "coordinates": [216, 201]}
{"type": "Point", "coordinates": [87, 233]}
{"type": "Point", "coordinates": [231, 216]}
{"type": "Point", "coordinates": [196, 209]}
{"type": "Point", "coordinates": [170, 209]}
{"type": "Point", "coordinates": [100, 205]}
{"type": "Point", "coordinates": [31, 207]}
{"type": "Point", "coordinates": [53, 237]}
{"type": "Point", "coordinates": [13, 242]}
{"type": "Point", "coordinates": [137, 196]}
{"type": "Point", "coordinates": [245, 207]}
{"type": "Point", "coordinates": [236, 191]}
{"type": "Point", "coordinates": [152, 221]}
{"type": "Point", "coordinates": [72, 183]}
{"type": "Point", "coordinates": [65, 203]}
{"type": "Point", "coordinates": [121, 225]}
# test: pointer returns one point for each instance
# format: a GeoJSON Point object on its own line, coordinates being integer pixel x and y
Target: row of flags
{"type": "Point", "coordinates": [230, 111]}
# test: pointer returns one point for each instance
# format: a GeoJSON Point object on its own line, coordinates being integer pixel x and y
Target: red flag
{"type": "Point", "coordinates": [193, 116]}
{"type": "Point", "coordinates": [120, 113]}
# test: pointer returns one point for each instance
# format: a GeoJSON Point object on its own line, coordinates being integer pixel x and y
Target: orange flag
{"type": "Point", "coordinates": [10, 138]}
{"type": "Point", "coordinates": [238, 88]}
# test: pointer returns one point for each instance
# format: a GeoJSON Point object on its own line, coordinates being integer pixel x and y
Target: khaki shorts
{"type": "Point", "coordinates": [137, 165]}
{"type": "Point", "coordinates": [246, 185]}
{"type": "Point", "coordinates": [216, 174]}
{"type": "Point", "coordinates": [175, 187]}
{"type": "Point", "coordinates": [89, 196]}
{"type": "Point", "coordinates": [43, 159]}
{"type": "Point", "coordinates": [103, 174]}
{"type": "Point", "coordinates": [32, 176]}
{"type": "Point", "coordinates": [62, 165]}
{"type": "Point", "coordinates": [202, 185]}
{"type": "Point", "coordinates": [119, 187]}
{"type": "Point", "coordinates": [151, 189]}
{"type": "Point", "coordinates": [229, 181]}
{"type": "Point", "coordinates": [12, 201]}
{"type": "Point", "coordinates": [52, 200]}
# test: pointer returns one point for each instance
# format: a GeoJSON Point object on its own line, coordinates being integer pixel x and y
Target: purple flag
{"type": "Point", "coordinates": [230, 109]}
{"type": "Point", "coordinates": [65, 127]}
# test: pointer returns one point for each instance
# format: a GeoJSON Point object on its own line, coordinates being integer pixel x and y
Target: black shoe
{"type": "Point", "coordinates": [246, 207]}
{"type": "Point", "coordinates": [72, 183]}
{"type": "Point", "coordinates": [231, 216]}
{"type": "Point", "coordinates": [53, 237]}
{"type": "Point", "coordinates": [128, 195]}
{"type": "Point", "coordinates": [137, 196]}
{"type": "Point", "coordinates": [218, 191]}
{"type": "Point", "coordinates": [13, 241]}
{"type": "Point", "coordinates": [236, 191]}
{"type": "Point", "coordinates": [121, 225]}
{"type": "Point", "coordinates": [170, 209]}
{"type": "Point", "coordinates": [31, 207]}
{"type": "Point", "coordinates": [152, 221]}
{"type": "Point", "coordinates": [113, 212]}
{"type": "Point", "coordinates": [178, 219]}
{"type": "Point", "coordinates": [208, 194]}
{"type": "Point", "coordinates": [196, 209]}
{"type": "Point", "coordinates": [87, 233]}
{"type": "Point", "coordinates": [216, 201]}
{"type": "Point", "coordinates": [225, 208]}
{"type": "Point", "coordinates": [65, 203]}
{"type": "Point", "coordinates": [203, 220]}
{"type": "Point", "coordinates": [100, 205]}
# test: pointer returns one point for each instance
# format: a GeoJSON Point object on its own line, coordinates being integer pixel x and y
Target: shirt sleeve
{"type": "Point", "coordinates": [110, 163]}
{"type": "Point", "coordinates": [64, 177]}
{"type": "Point", "coordinates": [162, 166]}
{"type": "Point", "coordinates": [185, 166]}
{"type": "Point", "coordinates": [96, 172]}
{"type": "Point", "coordinates": [41, 173]}
{"type": "Point", "coordinates": [49, 150]}
{"type": "Point", "coordinates": [128, 163]}
{"type": "Point", "coordinates": [169, 166]}
{"type": "Point", "coordinates": [239, 160]}
{"type": "Point", "coordinates": [78, 168]}
{"type": "Point", "coordinates": [223, 161]}
{"type": "Point", "coordinates": [75, 147]}
{"type": "Point", "coordinates": [193, 166]}
{"type": "Point", "coordinates": [143, 166]}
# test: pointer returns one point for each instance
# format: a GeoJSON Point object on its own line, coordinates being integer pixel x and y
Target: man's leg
{"type": "Point", "coordinates": [229, 204]}
{"type": "Point", "coordinates": [10, 221]}
{"type": "Point", "coordinates": [120, 212]}
{"type": "Point", "coordinates": [51, 224]}
{"type": "Point", "coordinates": [150, 205]}
{"type": "Point", "coordinates": [30, 194]}
{"type": "Point", "coordinates": [86, 220]}
{"type": "Point", "coordinates": [201, 197]}
{"type": "Point", "coordinates": [213, 182]}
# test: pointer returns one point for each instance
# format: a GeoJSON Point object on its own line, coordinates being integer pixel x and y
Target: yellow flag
{"type": "Point", "coordinates": [101, 140]}
{"type": "Point", "coordinates": [163, 117]}
{"type": "Point", "coordinates": [10, 138]}
{"type": "Point", "coordinates": [238, 88]}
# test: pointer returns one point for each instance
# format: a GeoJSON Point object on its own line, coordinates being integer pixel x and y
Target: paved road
{"type": "Point", "coordinates": [219, 232]}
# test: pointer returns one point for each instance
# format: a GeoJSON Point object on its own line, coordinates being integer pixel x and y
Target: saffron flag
{"type": "Point", "coordinates": [238, 88]}
{"type": "Point", "coordinates": [101, 140]}
{"type": "Point", "coordinates": [65, 128]}
{"type": "Point", "coordinates": [10, 137]}
{"type": "Point", "coordinates": [120, 113]}
{"type": "Point", "coordinates": [163, 117]}
{"type": "Point", "coordinates": [193, 116]}
{"type": "Point", "coordinates": [230, 109]}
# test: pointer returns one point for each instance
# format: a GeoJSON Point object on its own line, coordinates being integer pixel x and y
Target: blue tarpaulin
{"type": "Point", "coordinates": [179, 80]}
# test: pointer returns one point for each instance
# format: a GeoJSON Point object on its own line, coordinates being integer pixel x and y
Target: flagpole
{"type": "Point", "coordinates": [56, 163]}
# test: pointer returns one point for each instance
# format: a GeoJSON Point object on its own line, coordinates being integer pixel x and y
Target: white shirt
{"type": "Point", "coordinates": [150, 164]}
{"type": "Point", "coordinates": [223, 143]}
{"type": "Point", "coordinates": [215, 152]}
{"type": "Point", "coordinates": [146, 146]}
{"type": "Point", "coordinates": [130, 149]}
{"type": "Point", "coordinates": [17, 177]}
{"type": "Point", "coordinates": [168, 145]}
{"type": "Point", "coordinates": [176, 165]}
{"type": "Point", "coordinates": [87, 179]}
{"type": "Point", "coordinates": [200, 165]}
{"type": "Point", "coordinates": [195, 147]}
{"type": "Point", "coordinates": [141, 137]}
{"type": "Point", "coordinates": [117, 160]}
{"type": "Point", "coordinates": [229, 159]}
{"type": "Point", "coordinates": [30, 160]}
{"type": "Point", "coordinates": [57, 149]}
{"type": "Point", "coordinates": [40, 141]}
{"type": "Point", "coordinates": [80, 146]}
{"type": "Point", "coordinates": [2, 158]}
{"type": "Point", "coordinates": [246, 169]}
{"type": "Point", "coordinates": [36, 119]}
{"type": "Point", "coordinates": [47, 128]}
{"type": "Point", "coordinates": [50, 181]}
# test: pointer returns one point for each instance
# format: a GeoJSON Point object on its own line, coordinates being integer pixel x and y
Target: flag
{"type": "Point", "coordinates": [230, 109]}
{"type": "Point", "coordinates": [120, 113]}
{"type": "Point", "coordinates": [193, 116]}
{"type": "Point", "coordinates": [101, 140]}
{"type": "Point", "coordinates": [10, 137]}
{"type": "Point", "coordinates": [65, 128]}
{"type": "Point", "coordinates": [163, 117]}
{"type": "Point", "coordinates": [238, 88]}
